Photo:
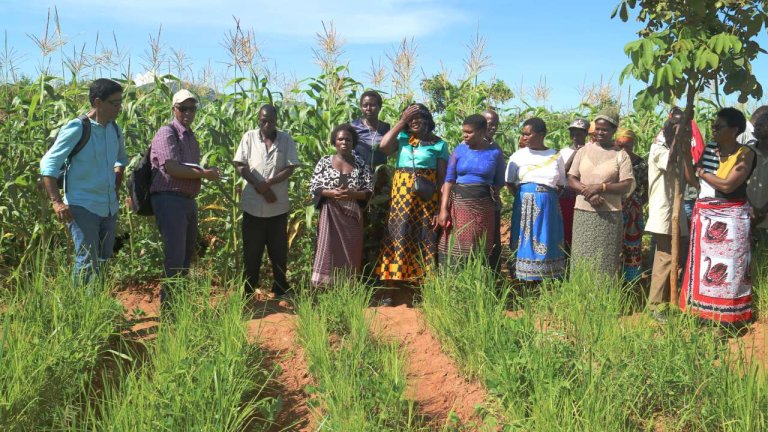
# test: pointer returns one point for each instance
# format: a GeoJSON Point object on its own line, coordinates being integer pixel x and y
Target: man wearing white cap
{"type": "Point", "coordinates": [175, 156]}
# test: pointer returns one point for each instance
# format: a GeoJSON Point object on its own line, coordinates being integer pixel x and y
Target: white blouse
{"type": "Point", "coordinates": [544, 167]}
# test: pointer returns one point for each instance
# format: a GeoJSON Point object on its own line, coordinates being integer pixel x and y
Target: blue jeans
{"type": "Point", "coordinates": [94, 238]}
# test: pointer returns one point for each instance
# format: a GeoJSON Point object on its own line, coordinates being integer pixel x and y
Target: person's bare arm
{"type": "Point", "coordinates": [736, 177]}
{"type": "Point", "coordinates": [119, 175]}
{"type": "Point", "coordinates": [52, 189]}
{"type": "Point", "coordinates": [281, 176]}
{"type": "Point", "coordinates": [186, 172]}
{"type": "Point", "coordinates": [388, 142]}
{"type": "Point", "coordinates": [261, 187]}
{"type": "Point", "coordinates": [445, 205]}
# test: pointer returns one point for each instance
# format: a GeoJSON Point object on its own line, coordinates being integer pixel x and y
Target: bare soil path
{"type": "Point", "coordinates": [274, 329]}
{"type": "Point", "coordinates": [434, 381]}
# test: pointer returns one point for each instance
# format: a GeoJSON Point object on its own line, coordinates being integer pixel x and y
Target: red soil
{"type": "Point", "coordinates": [752, 344]}
{"type": "Point", "coordinates": [275, 332]}
{"type": "Point", "coordinates": [434, 381]}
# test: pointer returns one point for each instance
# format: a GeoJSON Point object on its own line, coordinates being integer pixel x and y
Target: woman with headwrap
{"type": "Point", "coordinates": [410, 241]}
{"type": "Point", "coordinates": [632, 207]}
{"type": "Point", "coordinates": [601, 174]}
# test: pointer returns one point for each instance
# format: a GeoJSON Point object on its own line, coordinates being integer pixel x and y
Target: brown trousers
{"type": "Point", "coordinates": [662, 266]}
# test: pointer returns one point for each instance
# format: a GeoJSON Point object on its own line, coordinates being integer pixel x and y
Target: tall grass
{"type": "Point", "coordinates": [52, 335]}
{"type": "Point", "coordinates": [575, 359]}
{"type": "Point", "coordinates": [760, 281]}
{"type": "Point", "coordinates": [360, 379]}
{"type": "Point", "coordinates": [203, 374]}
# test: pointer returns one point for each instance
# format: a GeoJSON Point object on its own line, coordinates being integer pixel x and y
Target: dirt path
{"type": "Point", "coordinates": [752, 345]}
{"type": "Point", "coordinates": [275, 332]}
{"type": "Point", "coordinates": [434, 381]}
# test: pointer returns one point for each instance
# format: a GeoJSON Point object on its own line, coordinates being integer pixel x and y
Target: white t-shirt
{"type": "Point", "coordinates": [566, 154]}
{"type": "Point", "coordinates": [544, 167]}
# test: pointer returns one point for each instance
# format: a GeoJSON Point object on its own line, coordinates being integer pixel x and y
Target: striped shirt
{"type": "Point", "coordinates": [710, 162]}
{"type": "Point", "coordinates": [174, 142]}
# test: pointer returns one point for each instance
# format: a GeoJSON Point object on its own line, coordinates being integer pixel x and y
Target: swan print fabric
{"type": "Point", "coordinates": [718, 282]}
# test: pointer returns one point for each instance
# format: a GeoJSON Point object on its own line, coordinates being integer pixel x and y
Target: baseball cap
{"type": "Point", "coordinates": [579, 124]}
{"type": "Point", "coordinates": [182, 95]}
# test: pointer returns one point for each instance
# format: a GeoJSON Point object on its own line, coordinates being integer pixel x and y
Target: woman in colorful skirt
{"type": "Point", "coordinates": [634, 222]}
{"type": "Point", "coordinates": [536, 173]}
{"type": "Point", "coordinates": [339, 184]}
{"type": "Point", "coordinates": [718, 283]}
{"type": "Point", "coordinates": [474, 175]}
{"type": "Point", "coordinates": [410, 241]}
{"type": "Point", "coordinates": [601, 174]}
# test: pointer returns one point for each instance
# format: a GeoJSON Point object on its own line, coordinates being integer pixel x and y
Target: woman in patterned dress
{"type": "Point", "coordinates": [410, 241]}
{"type": "Point", "coordinates": [718, 283]}
{"type": "Point", "coordinates": [536, 173]}
{"type": "Point", "coordinates": [339, 183]}
{"type": "Point", "coordinates": [632, 208]}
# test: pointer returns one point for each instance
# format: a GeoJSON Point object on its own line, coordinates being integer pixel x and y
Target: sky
{"type": "Point", "coordinates": [570, 46]}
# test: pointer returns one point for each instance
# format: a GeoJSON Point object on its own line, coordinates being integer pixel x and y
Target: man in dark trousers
{"type": "Point", "coordinates": [265, 158]}
{"type": "Point", "coordinates": [175, 157]}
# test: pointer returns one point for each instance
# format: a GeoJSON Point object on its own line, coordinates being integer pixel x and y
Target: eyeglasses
{"type": "Point", "coordinates": [184, 109]}
{"type": "Point", "coordinates": [115, 103]}
{"type": "Point", "coordinates": [718, 127]}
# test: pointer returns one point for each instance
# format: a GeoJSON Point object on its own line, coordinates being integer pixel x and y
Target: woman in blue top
{"type": "Point", "coordinates": [410, 241]}
{"type": "Point", "coordinates": [474, 175]}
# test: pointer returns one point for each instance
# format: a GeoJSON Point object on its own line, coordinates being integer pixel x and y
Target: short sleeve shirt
{"type": "Point", "coordinates": [594, 164]}
{"type": "Point", "coordinates": [369, 139]}
{"type": "Point", "coordinates": [174, 142]}
{"type": "Point", "coordinates": [264, 164]}
{"type": "Point", "coordinates": [423, 155]}
{"type": "Point", "coordinates": [468, 166]}
{"type": "Point", "coordinates": [543, 167]}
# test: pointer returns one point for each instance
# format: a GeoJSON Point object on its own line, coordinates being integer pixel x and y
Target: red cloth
{"type": "Point", "coordinates": [718, 280]}
{"type": "Point", "coordinates": [697, 147]}
{"type": "Point", "coordinates": [567, 203]}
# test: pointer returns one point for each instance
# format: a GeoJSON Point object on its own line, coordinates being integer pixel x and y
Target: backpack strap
{"type": "Point", "coordinates": [84, 137]}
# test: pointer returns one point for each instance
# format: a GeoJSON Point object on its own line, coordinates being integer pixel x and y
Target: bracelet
{"type": "Point", "coordinates": [603, 187]}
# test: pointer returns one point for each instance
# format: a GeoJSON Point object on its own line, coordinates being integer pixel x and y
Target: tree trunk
{"type": "Point", "coordinates": [677, 204]}
{"type": "Point", "coordinates": [681, 144]}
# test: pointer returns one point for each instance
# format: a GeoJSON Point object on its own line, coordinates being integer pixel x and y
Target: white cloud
{"type": "Point", "coordinates": [356, 21]}
{"type": "Point", "coordinates": [144, 78]}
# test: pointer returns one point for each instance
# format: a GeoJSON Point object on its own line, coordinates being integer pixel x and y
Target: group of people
{"type": "Point", "coordinates": [585, 201]}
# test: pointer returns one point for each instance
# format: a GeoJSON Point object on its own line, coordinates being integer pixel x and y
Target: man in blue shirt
{"type": "Point", "coordinates": [93, 178]}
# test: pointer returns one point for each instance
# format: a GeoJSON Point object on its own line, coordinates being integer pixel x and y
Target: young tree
{"type": "Point", "coordinates": [686, 46]}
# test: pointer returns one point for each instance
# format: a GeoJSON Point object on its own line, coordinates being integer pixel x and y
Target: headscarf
{"type": "Point", "coordinates": [609, 114]}
{"type": "Point", "coordinates": [624, 135]}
